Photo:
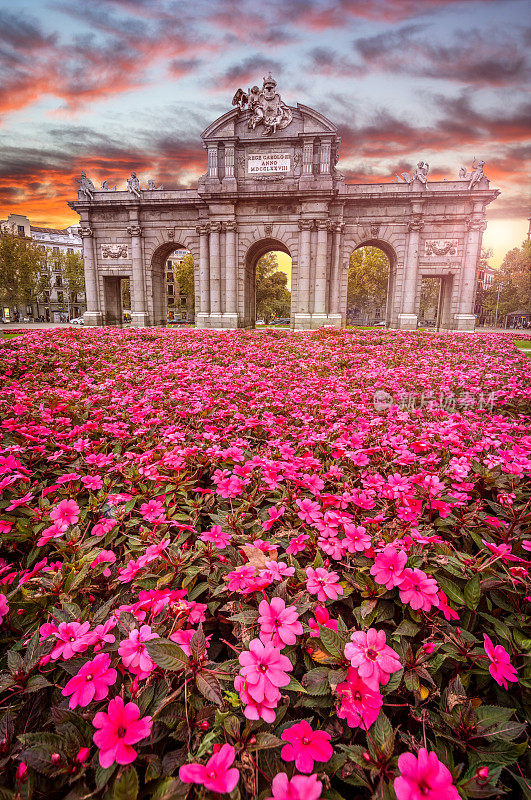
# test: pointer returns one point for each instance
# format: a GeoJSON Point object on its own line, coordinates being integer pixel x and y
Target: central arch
{"type": "Point", "coordinates": [390, 313]}
{"type": "Point", "coordinates": [253, 255]}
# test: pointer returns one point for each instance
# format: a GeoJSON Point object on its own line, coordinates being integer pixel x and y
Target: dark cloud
{"type": "Point", "coordinates": [249, 70]}
{"type": "Point", "coordinates": [473, 57]}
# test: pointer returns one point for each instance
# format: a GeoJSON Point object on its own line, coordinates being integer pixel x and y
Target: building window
{"type": "Point", "coordinates": [170, 289]}
{"type": "Point", "coordinates": [21, 231]}
{"type": "Point", "coordinates": [58, 281]}
{"type": "Point", "coordinates": [60, 297]}
{"type": "Point", "coordinates": [46, 296]}
{"type": "Point", "coordinates": [55, 249]}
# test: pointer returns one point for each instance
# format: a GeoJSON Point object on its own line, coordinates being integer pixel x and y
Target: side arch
{"type": "Point", "coordinates": [391, 247]}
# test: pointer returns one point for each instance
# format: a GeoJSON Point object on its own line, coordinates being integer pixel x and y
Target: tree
{"type": "Point", "coordinates": [21, 262]}
{"type": "Point", "coordinates": [429, 298]}
{"type": "Point", "coordinates": [73, 274]}
{"type": "Point", "coordinates": [511, 288]}
{"type": "Point", "coordinates": [273, 299]}
{"type": "Point", "coordinates": [183, 273]}
{"type": "Point", "coordinates": [368, 276]}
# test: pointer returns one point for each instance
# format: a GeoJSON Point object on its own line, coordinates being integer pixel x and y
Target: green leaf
{"type": "Point", "coordinates": [266, 741]}
{"type": "Point", "coordinates": [492, 715]}
{"type": "Point", "coordinates": [209, 687]}
{"type": "Point", "coordinates": [472, 592]}
{"type": "Point", "coordinates": [198, 643]}
{"type": "Point", "coordinates": [167, 654]}
{"type": "Point", "coordinates": [295, 686]}
{"type": "Point", "coordinates": [315, 682]}
{"type": "Point", "coordinates": [451, 590]}
{"type": "Point", "coordinates": [126, 786]}
{"type": "Point", "coordinates": [332, 642]}
{"type": "Point", "coordinates": [406, 628]}
{"type": "Point", "coordinates": [383, 736]}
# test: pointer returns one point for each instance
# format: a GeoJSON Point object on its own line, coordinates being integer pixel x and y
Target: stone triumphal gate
{"type": "Point", "coordinates": [272, 184]}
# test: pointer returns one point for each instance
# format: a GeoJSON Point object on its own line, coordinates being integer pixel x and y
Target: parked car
{"type": "Point", "coordinates": [260, 322]}
{"type": "Point", "coordinates": [280, 321]}
{"type": "Point", "coordinates": [379, 324]}
{"type": "Point", "coordinates": [77, 321]}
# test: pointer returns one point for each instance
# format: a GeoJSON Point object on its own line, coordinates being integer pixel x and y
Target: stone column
{"type": "Point", "coordinates": [302, 315]}
{"type": "Point", "coordinates": [319, 310]}
{"type": "Point", "coordinates": [307, 163]}
{"type": "Point", "coordinates": [229, 180]}
{"type": "Point", "coordinates": [213, 161]}
{"type": "Point", "coordinates": [230, 316]}
{"type": "Point", "coordinates": [325, 156]}
{"type": "Point", "coordinates": [334, 315]}
{"type": "Point", "coordinates": [92, 315]}
{"type": "Point", "coordinates": [215, 276]}
{"type": "Point", "coordinates": [139, 312]}
{"type": "Point", "coordinates": [204, 283]}
{"type": "Point", "coordinates": [407, 319]}
{"type": "Point", "coordinates": [466, 319]}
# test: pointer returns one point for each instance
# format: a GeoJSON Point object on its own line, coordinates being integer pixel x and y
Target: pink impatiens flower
{"type": "Point", "coordinates": [134, 654]}
{"type": "Point", "coordinates": [500, 668]}
{"type": "Point", "coordinates": [253, 709]}
{"type": "Point", "coordinates": [389, 566]}
{"type": "Point", "coordinates": [91, 682]}
{"type": "Point", "coordinates": [322, 617]}
{"type": "Point", "coordinates": [65, 513]}
{"type": "Point", "coordinates": [4, 608]}
{"type": "Point", "coordinates": [323, 583]}
{"type": "Point", "coordinates": [360, 705]}
{"type": "Point", "coordinates": [118, 729]}
{"type": "Point", "coordinates": [305, 746]}
{"type": "Point", "coordinates": [278, 623]}
{"type": "Point", "coordinates": [152, 511]}
{"type": "Point", "coordinates": [217, 775]}
{"type": "Point", "coordinates": [299, 787]}
{"type": "Point", "coordinates": [265, 670]}
{"type": "Point", "coordinates": [418, 590]}
{"type": "Point", "coordinates": [72, 638]}
{"type": "Point", "coordinates": [297, 544]}
{"type": "Point", "coordinates": [425, 778]}
{"type": "Point", "coordinates": [373, 658]}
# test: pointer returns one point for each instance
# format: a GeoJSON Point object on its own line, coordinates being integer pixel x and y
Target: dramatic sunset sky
{"type": "Point", "coordinates": [114, 85]}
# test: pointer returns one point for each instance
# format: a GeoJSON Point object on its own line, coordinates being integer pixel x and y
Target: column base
{"type": "Point", "coordinates": [93, 319]}
{"type": "Point", "coordinates": [323, 320]}
{"type": "Point", "coordinates": [201, 320]}
{"type": "Point", "coordinates": [465, 322]}
{"type": "Point", "coordinates": [139, 319]}
{"type": "Point", "coordinates": [302, 321]}
{"type": "Point", "coordinates": [407, 322]}
{"type": "Point", "coordinates": [229, 321]}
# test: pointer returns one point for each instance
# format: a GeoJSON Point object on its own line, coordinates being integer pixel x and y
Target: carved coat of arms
{"type": "Point", "coordinates": [265, 105]}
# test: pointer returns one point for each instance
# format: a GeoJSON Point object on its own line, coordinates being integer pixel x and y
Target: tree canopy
{"type": "Point", "coordinates": [512, 283]}
{"type": "Point", "coordinates": [21, 262]}
{"type": "Point", "coordinates": [273, 299]}
{"type": "Point", "coordinates": [183, 272]}
{"type": "Point", "coordinates": [368, 274]}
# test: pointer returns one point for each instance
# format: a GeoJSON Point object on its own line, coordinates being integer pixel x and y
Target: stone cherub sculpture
{"type": "Point", "coordinates": [106, 188]}
{"type": "Point", "coordinates": [265, 106]}
{"type": "Point", "coordinates": [478, 173]}
{"type": "Point", "coordinates": [152, 187]}
{"type": "Point", "coordinates": [133, 185]}
{"type": "Point", "coordinates": [420, 174]}
{"type": "Point", "coordinates": [86, 186]}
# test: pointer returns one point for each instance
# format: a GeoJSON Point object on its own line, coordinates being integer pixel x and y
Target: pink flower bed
{"type": "Point", "coordinates": [264, 565]}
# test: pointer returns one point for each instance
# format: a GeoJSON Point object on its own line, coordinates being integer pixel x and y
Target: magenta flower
{"type": "Point", "coordinates": [418, 590]}
{"type": "Point", "coordinates": [4, 608]}
{"type": "Point", "coordinates": [118, 729]}
{"type": "Point", "coordinates": [216, 775]}
{"type": "Point", "coordinates": [425, 778]}
{"type": "Point", "coordinates": [216, 536]}
{"type": "Point", "coordinates": [297, 544]}
{"type": "Point", "coordinates": [356, 538]}
{"type": "Point", "coordinates": [322, 617]}
{"type": "Point", "coordinates": [253, 709]}
{"type": "Point", "coordinates": [373, 658]}
{"type": "Point", "coordinates": [91, 682]}
{"type": "Point", "coordinates": [389, 566]}
{"type": "Point", "coordinates": [324, 584]}
{"type": "Point", "coordinates": [278, 623]}
{"type": "Point", "coordinates": [265, 670]}
{"type": "Point", "coordinates": [299, 787]}
{"type": "Point", "coordinates": [360, 705]}
{"type": "Point", "coordinates": [134, 654]}
{"type": "Point", "coordinates": [152, 511]}
{"type": "Point", "coordinates": [183, 639]}
{"type": "Point", "coordinates": [72, 638]}
{"type": "Point", "coordinates": [500, 668]}
{"type": "Point", "coordinates": [65, 513]}
{"type": "Point", "coordinates": [305, 746]}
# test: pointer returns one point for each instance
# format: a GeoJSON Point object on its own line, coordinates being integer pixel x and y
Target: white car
{"type": "Point", "coordinates": [77, 321]}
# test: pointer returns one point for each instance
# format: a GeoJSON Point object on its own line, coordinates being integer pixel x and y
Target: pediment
{"type": "Point", "coordinates": [235, 124]}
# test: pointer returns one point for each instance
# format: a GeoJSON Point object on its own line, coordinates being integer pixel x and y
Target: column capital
{"type": "Point", "coordinates": [338, 226]}
{"type": "Point", "coordinates": [230, 225]}
{"type": "Point", "coordinates": [305, 224]}
{"type": "Point", "coordinates": [476, 224]}
{"type": "Point", "coordinates": [323, 224]}
{"type": "Point", "coordinates": [416, 223]}
{"type": "Point", "coordinates": [215, 227]}
{"type": "Point", "coordinates": [203, 230]}
{"type": "Point", "coordinates": [86, 231]}
{"type": "Point", "coordinates": [134, 230]}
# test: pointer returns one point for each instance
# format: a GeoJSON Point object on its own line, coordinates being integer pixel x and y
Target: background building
{"type": "Point", "coordinates": [54, 303]}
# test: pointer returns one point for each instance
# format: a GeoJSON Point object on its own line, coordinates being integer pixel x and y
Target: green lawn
{"type": "Point", "coordinates": [525, 345]}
